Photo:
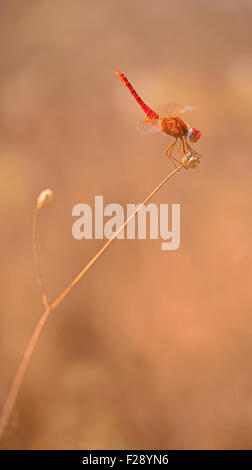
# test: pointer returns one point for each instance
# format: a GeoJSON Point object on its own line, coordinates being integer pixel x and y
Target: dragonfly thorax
{"type": "Point", "coordinates": [174, 126]}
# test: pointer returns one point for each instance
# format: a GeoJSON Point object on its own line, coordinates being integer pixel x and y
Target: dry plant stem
{"type": "Point", "coordinates": [36, 258]}
{"type": "Point", "coordinates": [75, 281]}
{"type": "Point", "coordinates": [13, 392]}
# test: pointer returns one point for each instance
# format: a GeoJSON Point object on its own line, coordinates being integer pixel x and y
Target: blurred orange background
{"type": "Point", "coordinates": [152, 349]}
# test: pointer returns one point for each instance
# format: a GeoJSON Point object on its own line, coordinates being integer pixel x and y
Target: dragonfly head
{"type": "Point", "coordinates": [194, 134]}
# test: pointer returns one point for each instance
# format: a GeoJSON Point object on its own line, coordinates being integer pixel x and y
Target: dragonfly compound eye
{"type": "Point", "coordinates": [194, 134]}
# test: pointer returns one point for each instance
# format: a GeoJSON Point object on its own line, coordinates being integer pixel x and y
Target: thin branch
{"type": "Point", "coordinates": [187, 162]}
{"type": "Point", "coordinates": [16, 384]}
{"type": "Point", "coordinates": [36, 258]}
{"type": "Point", "coordinates": [75, 281]}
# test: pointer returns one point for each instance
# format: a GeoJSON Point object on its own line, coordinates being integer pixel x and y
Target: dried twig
{"type": "Point", "coordinates": [189, 161]}
{"type": "Point", "coordinates": [43, 200]}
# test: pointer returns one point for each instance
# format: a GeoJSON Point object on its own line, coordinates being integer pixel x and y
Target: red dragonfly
{"type": "Point", "coordinates": [171, 125]}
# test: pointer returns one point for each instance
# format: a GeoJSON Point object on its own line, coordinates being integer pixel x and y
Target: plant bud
{"type": "Point", "coordinates": [45, 198]}
{"type": "Point", "coordinates": [190, 161]}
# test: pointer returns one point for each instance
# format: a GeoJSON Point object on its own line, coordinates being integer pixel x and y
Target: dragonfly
{"type": "Point", "coordinates": [171, 125]}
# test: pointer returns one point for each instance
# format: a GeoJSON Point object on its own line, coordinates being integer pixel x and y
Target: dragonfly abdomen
{"type": "Point", "coordinates": [148, 111]}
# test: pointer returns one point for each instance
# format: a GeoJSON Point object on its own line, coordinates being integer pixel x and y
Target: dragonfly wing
{"type": "Point", "coordinates": [187, 109]}
{"type": "Point", "coordinates": [150, 126]}
{"type": "Point", "coordinates": [166, 109]}
{"type": "Point", "coordinates": [172, 109]}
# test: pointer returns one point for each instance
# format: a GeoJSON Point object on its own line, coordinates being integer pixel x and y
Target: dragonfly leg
{"type": "Point", "coordinates": [188, 146]}
{"type": "Point", "coordinates": [184, 146]}
{"type": "Point", "coordinates": [179, 145]}
{"type": "Point", "coordinates": [169, 153]}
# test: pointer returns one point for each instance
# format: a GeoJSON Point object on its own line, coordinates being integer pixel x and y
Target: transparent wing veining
{"type": "Point", "coordinates": [150, 126]}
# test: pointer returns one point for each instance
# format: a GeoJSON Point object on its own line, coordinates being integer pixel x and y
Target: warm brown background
{"type": "Point", "coordinates": [152, 349]}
